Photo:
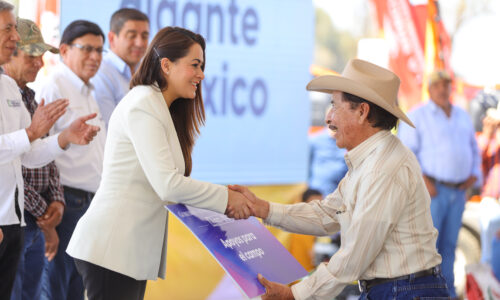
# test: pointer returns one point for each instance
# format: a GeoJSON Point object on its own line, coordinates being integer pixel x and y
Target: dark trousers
{"type": "Point", "coordinates": [103, 284]}
{"type": "Point", "coordinates": [61, 280]}
{"type": "Point", "coordinates": [10, 251]}
{"type": "Point", "coordinates": [28, 283]}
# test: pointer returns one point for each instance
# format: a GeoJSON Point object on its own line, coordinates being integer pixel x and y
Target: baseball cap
{"type": "Point", "coordinates": [31, 40]}
{"type": "Point", "coordinates": [438, 75]}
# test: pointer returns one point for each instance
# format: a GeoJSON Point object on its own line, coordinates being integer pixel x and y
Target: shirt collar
{"type": "Point", "coordinates": [356, 156]}
{"type": "Point", "coordinates": [436, 108]}
{"type": "Point", "coordinates": [83, 88]}
{"type": "Point", "coordinates": [118, 63]}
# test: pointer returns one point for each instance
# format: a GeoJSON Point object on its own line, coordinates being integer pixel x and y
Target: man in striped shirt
{"type": "Point", "coordinates": [381, 206]}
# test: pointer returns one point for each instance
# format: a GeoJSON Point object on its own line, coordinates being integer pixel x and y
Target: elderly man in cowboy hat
{"type": "Point", "coordinates": [381, 206]}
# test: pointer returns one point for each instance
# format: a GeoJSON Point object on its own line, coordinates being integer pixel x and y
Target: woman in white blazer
{"type": "Point", "coordinates": [120, 242]}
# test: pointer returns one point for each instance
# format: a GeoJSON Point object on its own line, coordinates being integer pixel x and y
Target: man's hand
{"type": "Point", "coordinates": [258, 207]}
{"type": "Point", "coordinates": [78, 132]}
{"type": "Point", "coordinates": [490, 126]}
{"type": "Point", "coordinates": [275, 290]}
{"type": "Point", "coordinates": [1, 235]}
{"type": "Point", "coordinates": [468, 183]}
{"type": "Point", "coordinates": [431, 187]}
{"type": "Point", "coordinates": [44, 118]}
{"type": "Point", "coordinates": [52, 216]}
{"type": "Point", "coordinates": [51, 243]}
{"type": "Point", "coordinates": [237, 205]}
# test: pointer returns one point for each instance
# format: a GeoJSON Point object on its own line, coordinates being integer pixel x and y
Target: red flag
{"type": "Point", "coordinates": [403, 25]}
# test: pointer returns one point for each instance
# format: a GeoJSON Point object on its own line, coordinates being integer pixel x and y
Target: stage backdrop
{"type": "Point", "coordinates": [258, 56]}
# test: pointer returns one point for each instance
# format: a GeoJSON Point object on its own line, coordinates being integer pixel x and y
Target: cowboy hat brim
{"type": "Point", "coordinates": [330, 83]}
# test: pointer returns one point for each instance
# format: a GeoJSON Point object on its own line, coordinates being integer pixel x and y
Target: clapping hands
{"type": "Point", "coordinates": [44, 118]}
{"type": "Point", "coordinates": [79, 132]}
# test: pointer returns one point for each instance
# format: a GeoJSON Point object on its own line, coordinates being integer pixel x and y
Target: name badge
{"type": "Point", "coordinates": [13, 103]}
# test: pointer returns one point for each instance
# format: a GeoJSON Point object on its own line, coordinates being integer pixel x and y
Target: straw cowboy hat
{"type": "Point", "coordinates": [366, 80]}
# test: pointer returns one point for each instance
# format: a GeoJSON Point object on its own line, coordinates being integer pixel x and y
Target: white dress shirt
{"type": "Point", "coordinates": [382, 209]}
{"type": "Point", "coordinates": [16, 150]}
{"type": "Point", "coordinates": [111, 83]}
{"type": "Point", "coordinates": [81, 166]}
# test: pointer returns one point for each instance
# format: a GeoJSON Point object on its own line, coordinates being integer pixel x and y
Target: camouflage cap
{"type": "Point", "coordinates": [31, 40]}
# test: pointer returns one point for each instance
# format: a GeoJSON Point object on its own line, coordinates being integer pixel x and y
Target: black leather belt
{"type": "Point", "coordinates": [445, 183]}
{"type": "Point", "coordinates": [366, 285]}
{"type": "Point", "coordinates": [78, 192]}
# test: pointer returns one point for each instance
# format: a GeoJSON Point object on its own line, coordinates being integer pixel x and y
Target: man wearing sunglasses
{"type": "Point", "coordinates": [80, 167]}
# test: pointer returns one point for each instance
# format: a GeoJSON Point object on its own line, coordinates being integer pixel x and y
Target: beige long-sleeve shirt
{"type": "Point", "coordinates": [382, 210]}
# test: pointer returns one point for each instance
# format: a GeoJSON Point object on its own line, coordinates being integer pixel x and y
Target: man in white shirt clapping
{"type": "Point", "coordinates": [20, 144]}
{"type": "Point", "coordinates": [80, 167]}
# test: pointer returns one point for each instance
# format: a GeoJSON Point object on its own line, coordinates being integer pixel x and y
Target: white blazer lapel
{"type": "Point", "coordinates": [173, 140]}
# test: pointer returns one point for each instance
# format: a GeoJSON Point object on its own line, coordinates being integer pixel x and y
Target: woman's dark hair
{"type": "Point", "coordinates": [377, 116]}
{"type": "Point", "coordinates": [188, 114]}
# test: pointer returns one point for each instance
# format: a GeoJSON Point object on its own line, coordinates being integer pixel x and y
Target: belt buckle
{"type": "Point", "coordinates": [362, 286]}
{"type": "Point", "coordinates": [436, 270]}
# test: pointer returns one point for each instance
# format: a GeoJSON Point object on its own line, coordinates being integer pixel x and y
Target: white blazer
{"type": "Point", "coordinates": [125, 227]}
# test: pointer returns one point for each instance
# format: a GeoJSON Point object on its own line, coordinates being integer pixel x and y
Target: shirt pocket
{"type": "Point", "coordinates": [344, 216]}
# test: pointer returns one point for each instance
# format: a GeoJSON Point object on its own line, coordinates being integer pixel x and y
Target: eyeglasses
{"type": "Point", "coordinates": [88, 49]}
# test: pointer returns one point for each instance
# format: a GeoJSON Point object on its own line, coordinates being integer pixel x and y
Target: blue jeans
{"type": "Point", "coordinates": [447, 208]}
{"type": "Point", "coordinates": [490, 224]}
{"type": "Point", "coordinates": [427, 287]}
{"type": "Point", "coordinates": [28, 284]}
{"type": "Point", "coordinates": [495, 258]}
{"type": "Point", "coordinates": [61, 280]}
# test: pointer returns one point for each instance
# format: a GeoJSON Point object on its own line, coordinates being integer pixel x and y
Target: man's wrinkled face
{"type": "Point", "coordinates": [8, 36]}
{"type": "Point", "coordinates": [440, 92]}
{"type": "Point", "coordinates": [23, 67]}
{"type": "Point", "coordinates": [341, 120]}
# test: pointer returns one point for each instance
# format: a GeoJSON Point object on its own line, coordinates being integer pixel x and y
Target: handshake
{"type": "Point", "coordinates": [242, 204]}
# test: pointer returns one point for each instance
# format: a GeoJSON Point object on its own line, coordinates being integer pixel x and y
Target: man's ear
{"type": "Point", "coordinates": [63, 49]}
{"type": "Point", "coordinates": [364, 110]}
{"type": "Point", "coordinates": [111, 38]}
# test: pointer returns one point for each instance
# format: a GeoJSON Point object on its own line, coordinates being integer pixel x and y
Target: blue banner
{"type": "Point", "coordinates": [258, 57]}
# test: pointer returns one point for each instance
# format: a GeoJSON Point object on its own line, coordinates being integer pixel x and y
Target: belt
{"type": "Point", "coordinates": [366, 285]}
{"type": "Point", "coordinates": [78, 192]}
{"type": "Point", "coordinates": [445, 183]}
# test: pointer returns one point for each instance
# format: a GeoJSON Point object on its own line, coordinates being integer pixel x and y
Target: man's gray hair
{"type": "Point", "coordinates": [4, 5]}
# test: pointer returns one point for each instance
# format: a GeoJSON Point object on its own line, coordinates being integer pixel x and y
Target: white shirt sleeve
{"type": "Point", "coordinates": [13, 144]}
{"type": "Point", "coordinates": [42, 152]}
